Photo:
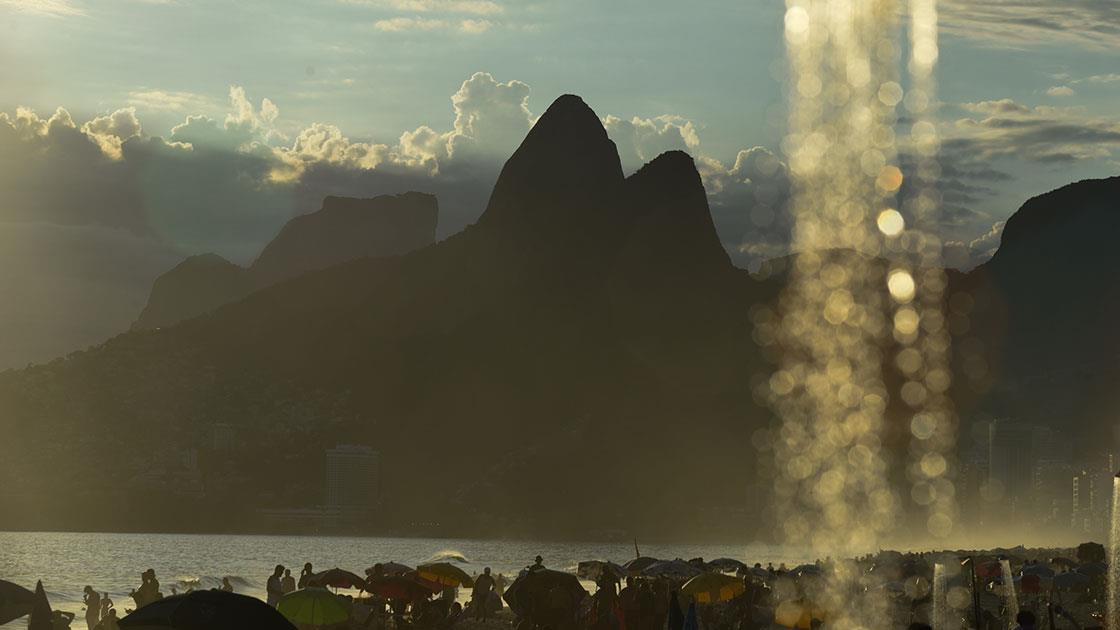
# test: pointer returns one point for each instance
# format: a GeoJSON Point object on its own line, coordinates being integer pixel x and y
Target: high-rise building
{"type": "Point", "coordinates": [1084, 498]}
{"type": "Point", "coordinates": [1011, 463]}
{"type": "Point", "coordinates": [352, 479]}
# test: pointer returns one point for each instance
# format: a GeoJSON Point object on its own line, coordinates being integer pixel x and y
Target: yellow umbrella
{"type": "Point", "coordinates": [444, 574]}
{"type": "Point", "coordinates": [709, 588]}
{"type": "Point", "coordinates": [313, 606]}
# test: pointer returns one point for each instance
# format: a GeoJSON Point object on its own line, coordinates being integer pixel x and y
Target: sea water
{"type": "Point", "coordinates": [112, 563]}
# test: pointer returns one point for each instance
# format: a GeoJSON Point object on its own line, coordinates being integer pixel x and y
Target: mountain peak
{"type": "Point", "coordinates": [565, 165]}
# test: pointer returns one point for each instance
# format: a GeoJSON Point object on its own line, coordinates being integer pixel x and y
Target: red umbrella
{"type": "Point", "coordinates": [337, 578]}
{"type": "Point", "coordinates": [988, 570]}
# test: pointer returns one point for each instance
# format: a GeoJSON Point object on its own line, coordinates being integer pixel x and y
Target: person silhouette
{"type": "Point", "coordinates": [273, 587]}
{"type": "Point", "coordinates": [480, 595]}
{"type": "Point", "coordinates": [92, 601]}
{"type": "Point", "coordinates": [226, 586]}
{"type": "Point", "coordinates": [288, 584]}
{"type": "Point", "coordinates": [305, 575]}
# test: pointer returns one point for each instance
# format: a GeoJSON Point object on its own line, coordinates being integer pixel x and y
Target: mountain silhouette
{"type": "Point", "coordinates": [579, 361]}
{"type": "Point", "coordinates": [343, 229]}
{"type": "Point", "coordinates": [1035, 325]}
{"type": "Point", "coordinates": [588, 327]}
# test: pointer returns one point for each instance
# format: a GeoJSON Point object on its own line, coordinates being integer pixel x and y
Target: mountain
{"type": "Point", "coordinates": [587, 330]}
{"type": "Point", "coordinates": [343, 229]}
{"type": "Point", "coordinates": [1035, 334]}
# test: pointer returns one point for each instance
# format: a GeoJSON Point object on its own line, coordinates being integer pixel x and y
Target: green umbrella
{"type": "Point", "coordinates": [313, 607]}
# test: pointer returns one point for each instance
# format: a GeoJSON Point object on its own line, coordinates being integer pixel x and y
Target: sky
{"type": "Point", "coordinates": [136, 132]}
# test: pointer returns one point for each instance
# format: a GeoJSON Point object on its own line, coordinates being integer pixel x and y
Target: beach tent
{"type": "Point", "coordinates": [206, 610]}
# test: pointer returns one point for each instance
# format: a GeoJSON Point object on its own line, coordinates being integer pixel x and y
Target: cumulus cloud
{"type": "Point", "coordinates": [640, 140]}
{"type": "Point", "coordinates": [749, 201]}
{"type": "Point", "coordinates": [1021, 23]}
{"type": "Point", "coordinates": [1060, 90]}
{"type": "Point", "coordinates": [111, 131]}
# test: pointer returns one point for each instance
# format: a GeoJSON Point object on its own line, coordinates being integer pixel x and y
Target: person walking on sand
{"type": "Point", "coordinates": [273, 587]}
{"type": "Point", "coordinates": [288, 584]}
{"type": "Point", "coordinates": [92, 600]}
{"type": "Point", "coordinates": [480, 596]}
{"type": "Point", "coordinates": [226, 586]}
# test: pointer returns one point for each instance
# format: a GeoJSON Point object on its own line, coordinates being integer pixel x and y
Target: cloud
{"type": "Point", "coordinates": [640, 140]}
{"type": "Point", "coordinates": [1006, 129]}
{"type": "Point", "coordinates": [50, 8]}
{"type": "Point", "coordinates": [469, 7]}
{"type": "Point", "coordinates": [401, 24]}
{"type": "Point", "coordinates": [749, 201]}
{"type": "Point", "coordinates": [1023, 23]}
{"type": "Point", "coordinates": [475, 27]}
{"type": "Point", "coordinates": [110, 132]}
{"type": "Point", "coordinates": [168, 101]}
{"type": "Point", "coordinates": [1060, 90]}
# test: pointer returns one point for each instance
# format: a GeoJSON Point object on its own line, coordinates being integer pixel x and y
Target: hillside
{"type": "Point", "coordinates": [586, 330]}
{"type": "Point", "coordinates": [343, 229]}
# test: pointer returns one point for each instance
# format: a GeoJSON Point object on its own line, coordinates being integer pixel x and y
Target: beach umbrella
{"type": "Point", "coordinates": [401, 587]}
{"type": "Point", "coordinates": [1092, 569]}
{"type": "Point", "coordinates": [671, 569]}
{"type": "Point", "coordinates": [313, 606]}
{"type": "Point", "coordinates": [1062, 561]}
{"type": "Point", "coordinates": [15, 601]}
{"type": "Point", "coordinates": [791, 614]}
{"type": "Point", "coordinates": [1040, 570]}
{"type": "Point", "coordinates": [41, 617]}
{"type": "Point", "coordinates": [534, 585]}
{"type": "Point", "coordinates": [988, 569]}
{"type": "Point", "coordinates": [807, 569]}
{"type": "Point", "coordinates": [635, 566]}
{"type": "Point", "coordinates": [445, 574]}
{"type": "Point", "coordinates": [710, 588]}
{"type": "Point", "coordinates": [1071, 580]}
{"type": "Point", "coordinates": [206, 610]}
{"type": "Point", "coordinates": [337, 578]}
{"type": "Point", "coordinates": [594, 569]}
{"type": "Point", "coordinates": [759, 573]}
{"type": "Point", "coordinates": [392, 568]}
{"type": "Point", "coordinates": [728, 565]}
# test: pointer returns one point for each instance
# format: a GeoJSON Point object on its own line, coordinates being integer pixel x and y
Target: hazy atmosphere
{"type": "Point", "coordinates": [790, 283]}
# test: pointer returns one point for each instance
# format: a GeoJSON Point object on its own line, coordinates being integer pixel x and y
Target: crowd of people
{"type": "Point", "coordinates": [629, 598]}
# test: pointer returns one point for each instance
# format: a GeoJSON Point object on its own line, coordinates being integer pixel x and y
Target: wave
{"type": "Point", "coordinates": [448, 555]}
{"type": "Point", "coordinates": [198, 583]}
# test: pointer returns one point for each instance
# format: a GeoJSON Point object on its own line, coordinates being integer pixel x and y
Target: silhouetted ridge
{"type": "Point", "coordinates": [195, 286]}
{"type": "Point", "coordinates": [347, 228]}
{"type": "Point", "coordinates": [672, 222]}
{"type": "Point", "coordinates": [344, 229]}
{"type": "Point", "coordinates": [560, 173]}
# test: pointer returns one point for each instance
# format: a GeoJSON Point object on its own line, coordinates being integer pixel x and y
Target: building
{"type": "Point", "coordinates": [1011, 464]}
{"type": "Point", "coordinates": [353, 479]}
{"type": "Point", "coordinates": [1084, 498]}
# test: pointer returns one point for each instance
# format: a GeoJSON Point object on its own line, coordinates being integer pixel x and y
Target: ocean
{"type": "Point", "coordinates": [112, 563]}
